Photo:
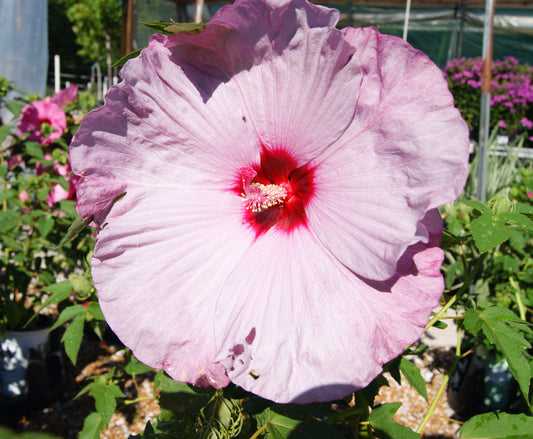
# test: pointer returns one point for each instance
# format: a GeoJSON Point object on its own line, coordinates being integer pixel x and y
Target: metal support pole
{"type": "Point", "coordinates": [349, 3]}
{"type": "Point", "coordinates": [57, 74]}
{"type": "Point", "coordinates": [406, 20]}
{"type": "Point", "coordinates": [484, 122]}
{"type": "Point", "coordinates": [459, 50]}
{"type": "Point", "coordinates": [198, 11]}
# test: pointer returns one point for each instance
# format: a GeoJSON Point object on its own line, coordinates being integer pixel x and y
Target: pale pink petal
{"type": "Point", "coordinates": [297, 78]}
{"type": "Point", "coordinates": [393, 163]}
{"type": "Point", "coordinates": [299, 327]}
{"type": "Point", "coordinates": [158, 268]}
{"type": "Point", "coordinates": [140, 134]}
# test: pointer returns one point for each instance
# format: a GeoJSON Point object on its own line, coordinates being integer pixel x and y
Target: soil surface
{"type": "Point", "coordinates": [64, 418]}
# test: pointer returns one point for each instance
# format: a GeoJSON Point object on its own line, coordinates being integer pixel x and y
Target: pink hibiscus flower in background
{"type": "Point", "coordinates": [279, 226]}
{"type": "Point", "coordinates": [34, 115]}
{"type": "Point", "coordinates": [58, 192]}
{"type": "Point", "coordinates": [65, 96]}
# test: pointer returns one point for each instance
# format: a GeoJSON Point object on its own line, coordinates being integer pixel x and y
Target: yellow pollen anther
{"type": "Point", "coordinates": [258, 197]}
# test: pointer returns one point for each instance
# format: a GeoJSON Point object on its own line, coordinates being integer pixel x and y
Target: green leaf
{"type": "Point", "coordinates": [505, 330]}
{"type": "Point", "coordinates": [526, 208]}
{"type": "Point", "coordinates": [105, 399]}
{"type": "Point", "coordinates": [92, 426]}
{"type": "Point", "coordinates": [517, 240]}
{"type": "Point", "coordinates": [60, 292]}
{"type": "Point", "coordinates": [34, 149]}
{"type": "Point", "coordinates": [8, 242]}
{"type": "Point", "coordinates": [14, 107]}
{"type": "Point", "coordinates": [75, 228]}
{"type": "Point", "coordinates": [448, 240]}
{"type": "Point", "coordinates": [173, 28]}
{"type": "Point", "coordinates": [282, 427]}
{"type": "Point", "coordinates": [414, 377]}
{"type": "Point", "coordinates": [73, 336]}
{"type": "Point", "coordinates": [86, 389]}
{"type": "Point", "coordinates": [382, 422]}
{"type": "Point", "coordinates": [95, 311]}
{"type": "Point", "coordinates": [489, 231]}
{"type": "Point", "coordinates": [135, 367]}
{"type": "Point", "coordinates": [127, 57]}
{"type": "Point", "coordinates": [5, 433]}
{"type": "Point", "coordinates": [472, 321]}
{"type": "Point", "coordinates": [517, 219]}
{"type": "Point", "coordinates": [5, 130]}
{"type": "Point", "coordinates": [157, 381]}
{"type": "Point", "coordinates": [157, 26]}
{"type": "Point", "coordinates": [188, 28]}
{"type": "Point", "coordinates": [478, 205]}
{"type": "Point", "coordinates": [42, 194]}
{"type": "Point", "coordinates": [180, 399]}
{"type": "Point", "coordinates": [497, 425]}
{"type": "Point", "coordinates": [371, 391]}
{"type": "Point", "coordinates": [149, 433]}
{"type": "Point", "coordinates": [393, 367]}
{"type": "Point", "coordinates": [45, 225]}
{"type": "Point", "coordinates": [8, 220]}
{"type": "Point", "coordinates": [68, 207]}
{"type": "Point", "coordinates": [67, 314]}
{"type": "Point", "coordinates": [440, 324]}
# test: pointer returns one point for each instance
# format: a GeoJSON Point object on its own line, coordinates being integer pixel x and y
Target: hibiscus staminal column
{"type": "Point", "coordinates": [275, 192]}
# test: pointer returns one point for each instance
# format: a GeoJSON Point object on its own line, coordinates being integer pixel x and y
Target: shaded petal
{"type": "Point", "coordinates": [404, 153]}
{"type": "Point", "coordinates": [312, 341]}
{"type": "Point", "coordinates": [157, 268]}
{"type": "Point", "coordinates": [293, 69]}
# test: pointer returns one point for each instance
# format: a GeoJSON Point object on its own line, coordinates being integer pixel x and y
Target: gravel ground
{"type": "Point", "coordinates": [414, 407]}
{"type": "Point", "coordinates": [65, 418]}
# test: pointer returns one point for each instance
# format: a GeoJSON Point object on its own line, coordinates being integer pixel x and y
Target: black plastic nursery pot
{"type": "Point", "coordinates": [481, 382]}
{"type": "Point", "coordinates": [31, 367]}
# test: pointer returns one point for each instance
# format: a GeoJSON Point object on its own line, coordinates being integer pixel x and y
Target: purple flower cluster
{"type": "Point", "coordinates": [511, 92]}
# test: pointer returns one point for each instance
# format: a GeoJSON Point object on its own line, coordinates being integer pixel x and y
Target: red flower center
{"type": "Point", "coordinates": [275, 192]}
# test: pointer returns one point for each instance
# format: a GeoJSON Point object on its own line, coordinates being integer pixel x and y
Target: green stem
{"type": "Point", "coordinates": [518, 294]}
{"type": "Point", "coordinates": [441, 312]}
{"type": "Point", "coordinates": [459, 293]}
{"type": "Point", "coordinates": [462, 255]}
{"type": "Point", "coordinates": [443, 385]}
{"type": "Point", "coordinates": [258, 432]}
{"type": "Point", "coordinates": [4, 184]}
{"type": "Point", "coordinates": [139, 399]}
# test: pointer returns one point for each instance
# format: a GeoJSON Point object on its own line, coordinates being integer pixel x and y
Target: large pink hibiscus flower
{"type": "Point", "coordinates": [279, 226]}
